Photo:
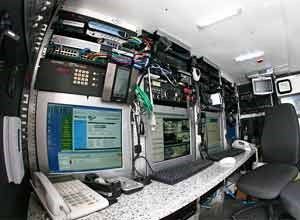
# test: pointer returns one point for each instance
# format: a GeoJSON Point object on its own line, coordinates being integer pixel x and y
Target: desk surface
{"type": "Point", "coordinates": [158, 200]}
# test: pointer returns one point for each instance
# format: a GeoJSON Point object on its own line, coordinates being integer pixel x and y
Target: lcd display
{"type": "Point", "coordinates": [262, 86]}
{"type": "Point", "coordinates": [176, 138]}
{"type": "Point", "coordinates": [171, 138]}
{"type": "Point", "coordinates": [121, 83]}
{"type": "Point", "coordinates": [83, 138]}
{"type": "Point", "coordinates": [213, 134]}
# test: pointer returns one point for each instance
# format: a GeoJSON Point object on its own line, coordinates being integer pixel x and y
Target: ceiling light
{"type": "Point", "coordinates": [249, 56]}
{"type": "Point", "coordinates": [226, 14]}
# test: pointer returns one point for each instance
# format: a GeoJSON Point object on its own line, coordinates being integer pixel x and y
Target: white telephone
{"type": "Point", "coordinates": [242, 145]}
{"type": "Point", "coordinates": [67, 200]}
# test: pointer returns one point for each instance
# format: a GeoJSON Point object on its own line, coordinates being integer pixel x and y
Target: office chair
{"type": "Point", "coordinates": [280, 150]}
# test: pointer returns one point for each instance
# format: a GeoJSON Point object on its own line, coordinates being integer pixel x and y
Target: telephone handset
{"type": "Point", "coordinates": [201, 131]}
{"type": "Point", "coordinates": [49, 196]}
{"type": "Point", "coordinates": [67, 200]}
{"type": "Point", "coordinates": [248, 147]}
{"type": "Point", "coordinates": [241, 144]}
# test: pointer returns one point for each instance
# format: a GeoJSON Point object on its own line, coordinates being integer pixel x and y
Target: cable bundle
{"type": "Point", "coordinates": [120, 59]}
{"type": "Point", "coordinates": [143, 99]}
{"type": "Point", "coordinates": [92, 55]}
{"type": "Point", "coordinates": [141, 60]}
{"type": "Point", "coordinates": [163, 72]}
{"type": "Point", "coordinates": [95, 56]}
{"type": "Point", "coordinates": [135, 41]}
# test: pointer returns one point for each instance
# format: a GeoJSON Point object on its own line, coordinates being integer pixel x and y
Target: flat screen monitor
{"type": "Point", "coordinates": [80, 136]}
{"type": "Point", "coordinates": [262, 85]}
{"type": "Point", "coordinates": [213, 132]}
{"type": "Point", "coordinates": [171, 140]}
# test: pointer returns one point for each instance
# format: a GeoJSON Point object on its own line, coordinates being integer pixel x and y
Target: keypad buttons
{"type": "Point", "coordinates": [81, 77]}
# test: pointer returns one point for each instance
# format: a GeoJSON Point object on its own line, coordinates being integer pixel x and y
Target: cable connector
{"type": "Point", "coordinates": [153, 122]}
{"type": "Point", "coordinates": [137, 149]}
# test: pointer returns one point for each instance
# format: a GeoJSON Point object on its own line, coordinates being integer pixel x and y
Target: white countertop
{"type": "Point", "coordinates": [159, 200]}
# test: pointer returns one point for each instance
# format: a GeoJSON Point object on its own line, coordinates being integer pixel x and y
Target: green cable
{"type": "Point", "coordinates": [143, 98]}
{"type": "Point", "coordinates": [135, 40]}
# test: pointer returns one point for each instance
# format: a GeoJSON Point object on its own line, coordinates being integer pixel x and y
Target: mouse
{"type": "Point", "coordinates": [228, 162]}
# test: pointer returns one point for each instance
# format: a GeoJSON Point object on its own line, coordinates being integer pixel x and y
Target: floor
{"type": "Point", "coordinates": [232, 206]}
{"type": "Point", "coordinates": [14, 201]}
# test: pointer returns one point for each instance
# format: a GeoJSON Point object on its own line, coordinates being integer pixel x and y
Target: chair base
{"type": "Point", "coordinates": [265, 209]}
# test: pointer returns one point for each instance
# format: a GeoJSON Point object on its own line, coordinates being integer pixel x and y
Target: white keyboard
{"type": "Point", "coordinates": [80, 198]}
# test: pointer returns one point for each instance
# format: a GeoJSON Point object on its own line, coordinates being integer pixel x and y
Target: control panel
{"type": "Point", "coordinates": [164, 93]}
{"type": "Point", "coordinates": [82, 77]}
{"type": "Point", "coordinates": [250, 103]}
{"type": "Point", "coordinates": [66, 77]}
{"type": "Point", "coordinates": [84, 27]}
{"type": "Point", "coordinates": [37, 15]}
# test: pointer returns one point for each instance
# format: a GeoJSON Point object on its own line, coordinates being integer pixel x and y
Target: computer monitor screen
{"type": "Point", "coordinates": [262, 86]}
{"type": "Point", "coordinates": [81, 138]}
{"type": "Point", "coordinates": [171, 138]}
{"type": "Point", "coordinates": [213, 133]}
{"type": "Point", "coordinates": [121, 82]}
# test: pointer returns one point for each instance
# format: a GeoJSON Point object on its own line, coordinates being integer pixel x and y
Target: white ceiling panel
{"type": "Point", "coordinates": [292, 21]}
{"type": "Point", "coordinates": [269, 25]}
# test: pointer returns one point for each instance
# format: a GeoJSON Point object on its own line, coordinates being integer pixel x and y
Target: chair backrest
{"type": "Point", "coordinates": [281, 137]}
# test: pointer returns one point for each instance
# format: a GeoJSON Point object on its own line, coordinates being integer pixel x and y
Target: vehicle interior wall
{"type": "Point", "coordinates": [269, 26]}
{"type": "Point", "coordinates": [13, 58]}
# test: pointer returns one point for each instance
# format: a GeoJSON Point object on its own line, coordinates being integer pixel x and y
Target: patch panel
{"type": "Point", "coordinates": [72, 54]}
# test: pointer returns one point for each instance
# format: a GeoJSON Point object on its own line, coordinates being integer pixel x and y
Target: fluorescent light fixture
{"type": "Point", "coordinates": [12, 35]}
{"type": "Point", "coordinates": [218, 17]}
{"type": "Point", "coordinates": [249, 56]}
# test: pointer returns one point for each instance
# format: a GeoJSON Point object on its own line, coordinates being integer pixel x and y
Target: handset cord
{"type": "Point", "coordinates": [135, 118]}
{"type": "Point", "coordinates": [147, 162]}
{"type": "Point", "coordinates": [66, 213]}
{"type": "Point", "coordinates": [138, 154]}
{"type": "Point", "coordinates": [150, 86]}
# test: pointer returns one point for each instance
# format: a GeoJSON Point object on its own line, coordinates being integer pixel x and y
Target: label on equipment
{"type": "Point", "coordinates": [156, 83]}
{"type": "Point", "coordinates": [101, 35]}
{"type": "Point", "coordinates": [73, 23]}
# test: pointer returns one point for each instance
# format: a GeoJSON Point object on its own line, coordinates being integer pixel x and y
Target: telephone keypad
{"type": "Point", "coordinates": [76, 195]}
{"type": "Point", "coordinates": [82, 78]}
